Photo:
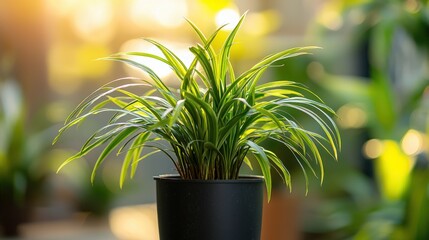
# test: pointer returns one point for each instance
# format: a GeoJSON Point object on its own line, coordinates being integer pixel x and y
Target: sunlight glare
{"type": "Point", "coordinates": [92, 21]}
{"type": "Point", "coordinates": [62, 8]}
{"type": "Point", "coordinates": [167, 13]}
{"type": "Point", "coordinates": [227, 16]}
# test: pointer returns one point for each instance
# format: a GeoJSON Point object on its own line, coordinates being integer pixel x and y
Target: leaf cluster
{"type": "Point", "coordinates": [214, 123]}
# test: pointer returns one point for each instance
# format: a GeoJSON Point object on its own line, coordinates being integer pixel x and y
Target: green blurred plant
{"type": "Point", "coordinates": [391, 37]}
{"type": "Point", "coordinates": [416, 223]}
{"type": "Point", "coordinates": [21, 172]}
{"type": "Point", "coordinates": [214, 121]}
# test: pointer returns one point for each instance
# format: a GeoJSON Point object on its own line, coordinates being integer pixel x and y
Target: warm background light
{"type": "Point", "coordinates": [373, 148]}
{"type": "Point", "coordinates": [93, 20]}
{"type": "Point", "coordinates": [351, 116]}
{"type": "Point", "coordinates": [412, 142]}
{"type": "Point", "coordinates": [136, 222]}
{"type": "Point", "coordinates": [227, 16]}
{"type": "Point", "coordinates": [330, 17]}
{"type": "Point", "coordinates": [166, 13]}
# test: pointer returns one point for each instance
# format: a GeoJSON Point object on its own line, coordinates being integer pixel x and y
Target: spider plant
{"type": "Point", "coordinates": [214, 123]}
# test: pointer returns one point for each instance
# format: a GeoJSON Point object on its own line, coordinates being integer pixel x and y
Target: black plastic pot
{"type": "Point", "coordinates": [209, 209]}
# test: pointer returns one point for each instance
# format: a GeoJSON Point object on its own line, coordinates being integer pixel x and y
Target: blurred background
{"type": "Point", "coordinates": [373, 70]}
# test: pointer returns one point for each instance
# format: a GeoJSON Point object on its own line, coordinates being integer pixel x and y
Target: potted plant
{"type": "Point", "coordinates": [209, 127]}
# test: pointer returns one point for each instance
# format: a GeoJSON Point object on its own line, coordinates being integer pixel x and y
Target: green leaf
{"type": "Point", "coordinates": [277, 162]}
{"type": "Point", "coordinates": [226, 49]}
{"type": "Point", "coordinates": [200, 54]}
{"type": "Point", "coordinates": [162, 88]}
{"type": "Point", "coordinates": [173, 61]}
{"type": "Point", "coordinates": [248, 163]}
{"type": "Point", "coordinates": [84, 151]}
{"type": "Point", "coordinates": [114, 143]}
{"type": "Point", "coordinates": [143, 54]}
{"type": "Point", "coordinates": [267, 61]}
{"type": "Point", "coordinates": [90, 100]}
{"type": "Point", "coordinates": [211, 118]}
{"type": "Point", "coordinates": [264, 163]}
{"type": "Point", "coordinates": [132, 156]}
{"type": "Point", "coordinates": [176, 112]}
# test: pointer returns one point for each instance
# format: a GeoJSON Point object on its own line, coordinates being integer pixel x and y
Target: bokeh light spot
{"type": "Point", "coordinates": [331, 19]}
{"type": "Point", "coordinates": [412, 142]}
{"type": "Point", "coordinates": [373, 148]}
{"type": "Point", "coordinates": [227, 16]}
{"type": "Point", "coordinates": [164, 12]}
{"type": "Point", "coordinates": [351, 116]}
{"type": "Point", "coordinates": [93, 21]}
{"type": "Point", "coordinates": [129, 222]}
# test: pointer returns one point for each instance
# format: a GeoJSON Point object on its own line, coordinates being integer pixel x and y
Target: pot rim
{"type": "Point", "coordinates": [241, 179]}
